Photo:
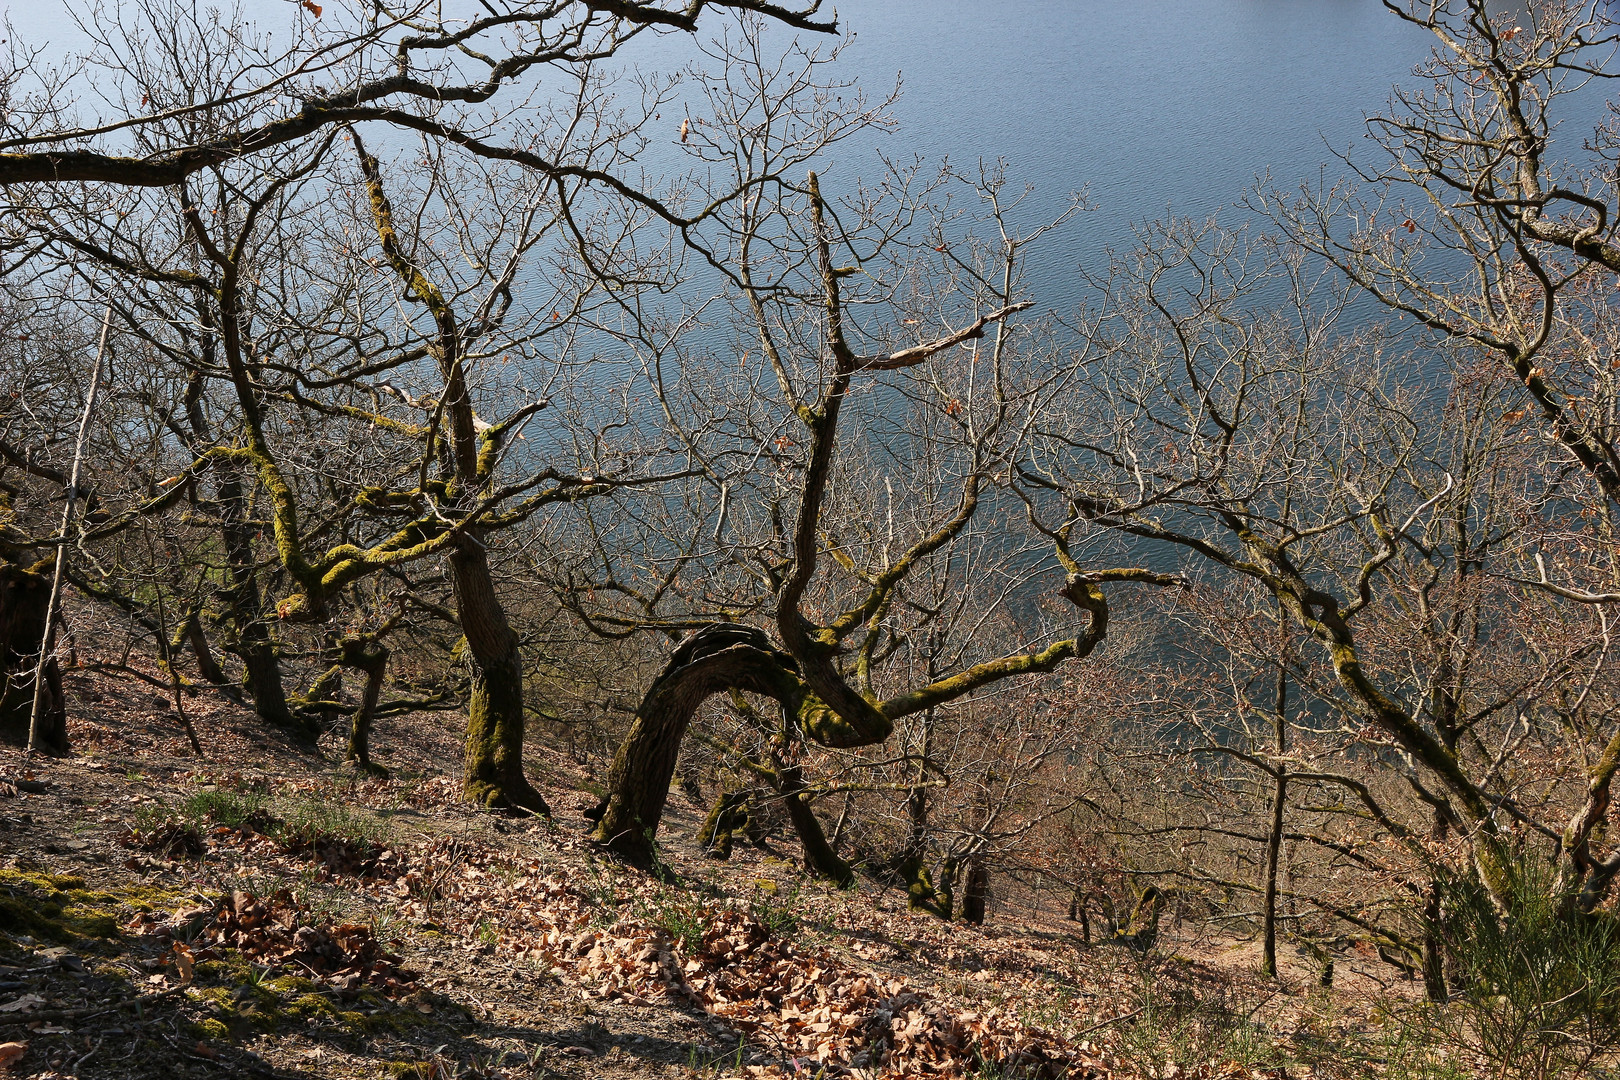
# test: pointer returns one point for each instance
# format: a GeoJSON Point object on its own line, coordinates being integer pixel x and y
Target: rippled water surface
{"type": "Point", "coordinates": [1153, 106]}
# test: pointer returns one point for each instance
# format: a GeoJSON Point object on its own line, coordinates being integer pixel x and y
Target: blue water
{"type": "Point", "coordinates": [1158, 107]}
{"type": "Point", "coordinates": [1155, 105]}
{"type": "Point", "coordinates": [1154, 108]}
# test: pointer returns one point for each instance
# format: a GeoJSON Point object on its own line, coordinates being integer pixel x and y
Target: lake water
{"type": "Point", "coordinates": [1154, 107]}
{"type": "Point", "coordinates": [1157, 107]}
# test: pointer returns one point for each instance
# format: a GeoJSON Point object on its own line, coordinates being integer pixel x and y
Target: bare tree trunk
{"type": "Point", "coordinates": [24, 599]}
{"type": "Point", "coordinates": [976, 893]}
{"type": "Point", "coordinates": [843, 820]}
{"type": "Point", "coordinates": [819, 857]}
{"type": "Point", "coordinates": [167, 652]}
{"type": "Point", "coordinates": [1077, 912]}
{"type": "Point", "coordinates": [260, 659]}
{"type": "Point", "coordinates": [493, 765]}
{"type": "Point", "coordinates": [244, 606]}
{"type": "Point", "coordinates": [1279, 804]}
{"type": "Point", "coordinates": [1434, 952]}
{"type": "Point", "coordinates": [43, 725]}
{"type": "Point", "coordinates": [1268, 948]}
{"type": "Point", "coordinates": [717, 658]}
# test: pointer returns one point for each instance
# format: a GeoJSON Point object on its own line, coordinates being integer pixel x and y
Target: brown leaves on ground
{"type": "Point", "coordinates": [276, 932]}
{"type": "Point", "coordinates": [11, 1053]}
{"type": "Point", "coordinates": [803, 1006]}
{"type": "Point", "coordinates": [817, 1011]}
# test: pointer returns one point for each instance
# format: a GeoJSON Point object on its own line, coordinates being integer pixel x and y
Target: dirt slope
{"type": "Point", "coordinates": [263, 912]}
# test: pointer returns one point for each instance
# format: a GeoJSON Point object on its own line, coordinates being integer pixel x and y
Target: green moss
{"type": "Point", "coordinates": [45, 882]}
{"type": "Point", "coordinates": [211, 1029]}
{"type": "Point", "coordinates": [292, 1002]}
{"type": "Point", "coordinates": [87, 922]}
{"type": "Point", "coordinates": [306, 1006]}
{"type": "Point", "coordinates": [146, 897]}
{"type": "Point", "coordinates": [59, 907]}
{"type": "Point", "coordinates": [28, 917]}
{"type": "Point", "coordinates": [408, 1070]}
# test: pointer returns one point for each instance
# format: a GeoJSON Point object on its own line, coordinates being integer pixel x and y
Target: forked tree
{"type": "Point", "coordinates": [838, 304]}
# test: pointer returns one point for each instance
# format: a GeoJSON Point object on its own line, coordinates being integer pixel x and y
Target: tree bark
{"type": "Point", "coordinates": [260, 660]}
{"type": "Point", "coordinates": [24, 599]}
{"type": "Point", "coordinates": [717, 658]}
{"type": "Point", "coordinates": [976, 893]}
{"type": "Point", "coordinates": [370, 658]}
{"type": "Point", "coordinates": [1077, 912]}
{"type": "Point", "coordinates": [190, 633]}
{"type": "Point", "coordinates": [819, 857]}
{"type": "Point", "coordinates": [714, 838]}
{"type": "Point", "coordinates": [1279, 804]}
{"type": "Point", "coordinates": [493, 766]}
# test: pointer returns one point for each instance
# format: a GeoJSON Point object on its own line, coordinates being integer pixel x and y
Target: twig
{"type": "Point", "coordinates": [1106, 1023]}
{"type": "Point", "coordinates": [79, 1064]}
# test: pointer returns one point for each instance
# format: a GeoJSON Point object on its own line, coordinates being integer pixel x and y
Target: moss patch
{"type": "Point", "coordinates": [292, 1002]}
{"type": "Point", "coordinates": [211, 1029]}
{"type": "Point", "coordinates": [408, 1070]}
{"type": "Point", "coordinates": [60, 907]}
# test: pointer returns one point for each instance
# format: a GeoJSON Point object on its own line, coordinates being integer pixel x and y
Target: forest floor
{"type": "Point", "coordinates": [264, 912]}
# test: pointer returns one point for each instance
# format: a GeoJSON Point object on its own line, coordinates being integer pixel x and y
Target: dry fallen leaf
{"type": "Point", "coordinates": [183, 963]}
{"type": "Point", "coordinates": [11, 1052]}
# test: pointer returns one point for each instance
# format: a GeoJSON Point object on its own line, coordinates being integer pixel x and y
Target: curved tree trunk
{"type": "Point", "coordinates": [717, 658]}
{"type": "Point", "coordinates": [372, 659]}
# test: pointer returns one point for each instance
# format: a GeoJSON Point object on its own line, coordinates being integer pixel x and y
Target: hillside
{"type": "Point", "coordinates": [263, 913]}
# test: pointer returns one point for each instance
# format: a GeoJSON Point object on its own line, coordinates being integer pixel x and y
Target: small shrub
{"type": "Point", "coordinates": [682, 917]}
{"type": "Point", "coordinates": [1540, 981]}
{"type": "Point", "coordinates": [227, 808]}
{"type": "Point", "coordinates": [777, 910]}
{"type": "Point", "coordinates": [312, 824]}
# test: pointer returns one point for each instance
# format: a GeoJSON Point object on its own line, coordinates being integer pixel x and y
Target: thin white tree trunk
{"type": "Point", "coordinates": [48, 641]}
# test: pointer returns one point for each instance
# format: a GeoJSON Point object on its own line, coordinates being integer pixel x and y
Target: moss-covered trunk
{"type": "Point", "coordinates": [819, 857]}
{"type": "Point", "coordinates": [493, 763]}
{"type": "Point", "coordinates": [260, 659]}
{"type": "Point", "coordinates": [721, 657]}
{"type": "Point", "coordinates": [728, 814]}
{"type": "Point", "coordinates": [190, 634]}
